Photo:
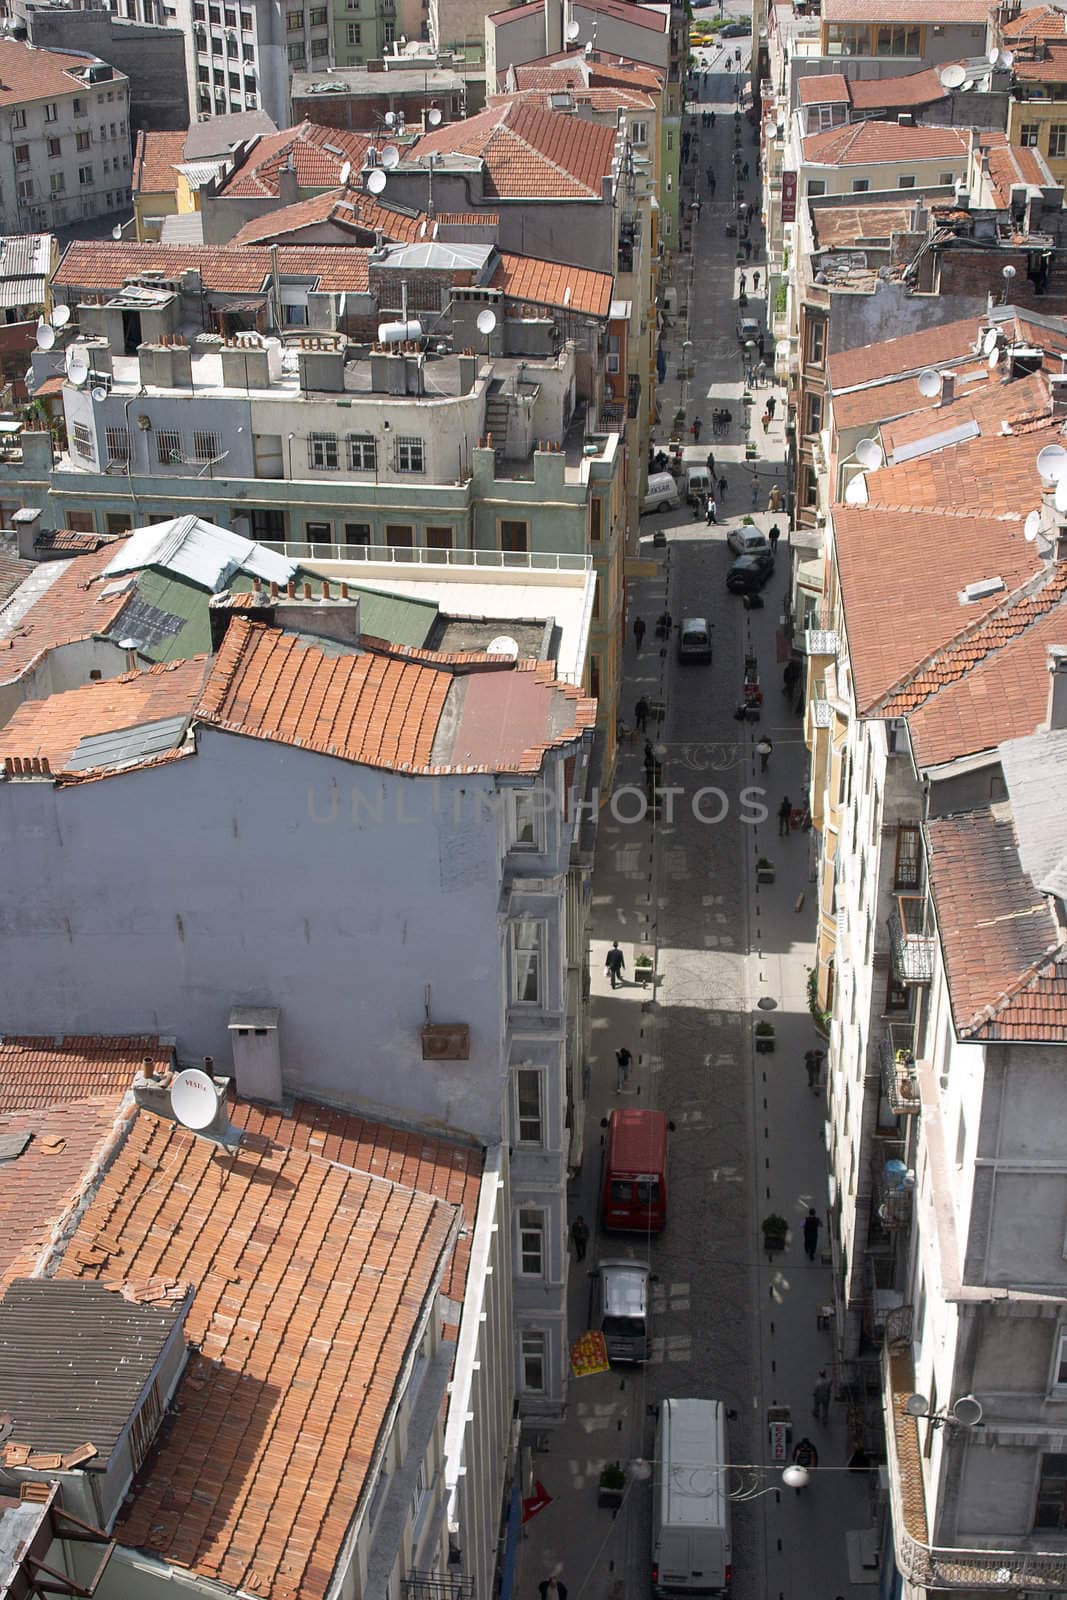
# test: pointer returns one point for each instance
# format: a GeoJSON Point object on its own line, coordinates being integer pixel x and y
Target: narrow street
{"type": "Point", "coordinates": [747, 1134]}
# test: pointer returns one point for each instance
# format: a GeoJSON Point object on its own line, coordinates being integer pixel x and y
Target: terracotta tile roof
{"type": "Point", "coordinates": [573, 70]}
{"type": "Point", "coordinates": [845, 226]}
{"type": "Point", "coordinates": [1007, 973]}
{"type": "Point", "coordinates": [13, 569]}
{"type": "Point", "coordinates": [346, 207]}
{"type": "Point", "coordinates": [64, 538]}
{"type": "Point", "coordinates": [950, 12]}
{"type": "Point", "coordinates": [317, 153]}
{"type": "Point", "coordinates": [909, 352]}
{"type": "Point", "coordinates": [823, 88]}
{"type": "Point", "coordinates": [869, 143]}
{"type": "Point", "coordinates": [909, 89]}
{"type": "Point", "coordinates": [608, 98]}
{"type": "Point", "coordinates": [1050, 68]}
{"type": "Point", "coordinates": [36, 1073]}
{"type": "Point", "coordinates": [1013, 164]}
{"type": "Point", "coordinates": [34, 74]}
{"type": "Point", "coordinates": [528, 151]}
{"type": "Point", "coordinates": [309, 1283]}
{"type": "Point", "coordinates": [948, 552]}
{"type": "Point", "coordinates": [988, 405]}
{"type": "Point", "coordinates": [54, 728]}
{"type": "Point", "coordinates": [154, 161]}
{"type": "Point", "coordinates": [469, 219]}
{"type": "Point", "coordinates": [69, 608]}
{"type": "Point", "coordinates": [882, 402]}
{"type": "Point", "coordinates": [101, 264]}
{"type": "Point", "coordinates": [549, 284]}
{"type": "Point", "coordinates": [1037, 22]}
{"type": "Point", "coordinates": [987, 476]}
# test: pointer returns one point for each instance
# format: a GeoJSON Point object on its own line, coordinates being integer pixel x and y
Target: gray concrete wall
{"type": "Point", "coordinates": [868, 319]}
{"type": "Point", "coordinates": [152, 58]}
{"type": "Point", "coordinates": [579, 233]}
{"type": "Point", "coordinates": [66, 667]}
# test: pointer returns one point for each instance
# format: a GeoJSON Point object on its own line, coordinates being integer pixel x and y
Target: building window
{"type": "Point", "coordinates": [117, 522]}
{"type": "Point", "coordinates": [362, 453]}
{"type": "Point", "coordinates": [639, 133]}
{"type": "Point", "coordinates": [816, 187]}
{"type": "Point", "coordinates": [909, 857]}
{"type": "Point", "coordinates": [357, 533]}
{"type": "Point", "coordinates": [83, 441]}
{"type": "Point", "coordinates": [18, 119]}
{"type": "Point", "coordinates": [117, 441]}
{"type": "Point", "coordinates": [390, 32]}
{"type": "Point", "coordinates": [294, 22]}
{"type": "Point", "coordinates": [439, 538]}
{"type": "Point", "coordinates": [529, 1088]}
{"type": "Point", "coordinates": [907, 182]}
{"type": "Point", "coordinates": [409, 455]}
{"type": "Point", "coordinates": [816, 343]}
{"type": "Point", "coordinates": [230, 17]}
{"type": "Point", "coordinates": [1057, 139]}
{"type": "Point", "coordinates": [961, 1141]}
{"type": "Point", "coordinates": [319, 532]}
{"type": "Point", "coordinates": [531, 1242]}
{"type": "Point", "coordinates": [527, 962]}
{"type": "Point", "coordinates": [215, 14]}
{"type": "Point", "coordinates": [55, 149]}
{"type": "Point", "coordinates": [318, 17]}
{"type": "Point", "coordinates": [24, 189]}
{"type": "Point", "coordinates": [514, 536]}
{"type": "Point", "coordinates": [811, 486]}
{"type": "Point", "coordinates": [85, 175]}
{"type": "Point", "coordinates": [1028, 133]}
{"type": "Point", "coordinates": [168, 446]}
{"type": "Point", "coordinates": [355, 33]}
{"type": "Point", "coordinates": [947, 180]}
{"type": "Point", "coordinates": [860, 185]}
{"type": "Point", "coordinates": [51, 112]}
{"type": "Point", "coordinates": [83, 140]}
{"type": "Point", "coordinates": [57, 183]}
{"type": "Point", "coordinates": [400, 536]}
{"type": "Point", "coordinates": [814, 413]}
{"type": "Point", "coordinates": [246, 21]}
{"type": "Point", "coordinates": [206, 446]}
{"type": "Point", "coordinates": [320, 47]}
{"type": "Point", "coordinates": [897, 41]}
{"type": "Point", "coordinates": [533, 1364]}
{"type": "Point", "coordinates": [234, 79]}
{"type": "Point", "coordinates": [1051, 1508]}
{"type": "Point", "coordinates": [527, 818]}
{"type": "Point", "coordinates": [323, 452]}
{"type": "Point", "coordinates": [897, 995]}
{"type": "Point", "coordinates": [594, 677]}
{"type": "Point", "coordinates": [250, 88]}
{"type": "Point", "coordinates": [203, 72]}
{"type": "Point", "coordinates": [418, 1494]}
{"type": "Point", "coordinates": [22, 155]}
{"type": "Point", "coordinates": [596, 519]}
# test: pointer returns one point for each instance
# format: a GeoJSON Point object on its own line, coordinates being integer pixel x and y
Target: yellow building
{"type": "Point", "coordinates": [1037, 115]}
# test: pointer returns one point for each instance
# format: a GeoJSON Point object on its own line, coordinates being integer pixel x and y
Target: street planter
{"type": "Point", "coordinates": [764, 870]}
{"type": "Point", "coordinates": [775, 1234]}
{"type": "Point", "coordinates": [764, 1039]}
{"type": "Point", "coordinates": [612, 1487]}
{"type": "Point", "coordinates": [644, 968]}
{"type": "Point", "coordinates": [750, 451]}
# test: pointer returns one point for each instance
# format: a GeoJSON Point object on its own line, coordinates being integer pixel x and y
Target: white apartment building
{"type": "Point", "coordinates": [65, 155]}
{"type": "Point", "coordinates": [236, 57]}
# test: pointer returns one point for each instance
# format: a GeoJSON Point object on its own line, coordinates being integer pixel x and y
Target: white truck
{"type": "Point", "coordinates": [691, 1552]}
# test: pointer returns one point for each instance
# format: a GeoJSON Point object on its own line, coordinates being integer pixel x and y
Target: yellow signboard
{"type": "Point", "coordinates": [589, 1354]}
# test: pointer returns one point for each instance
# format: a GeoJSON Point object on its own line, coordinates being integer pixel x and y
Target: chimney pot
{"type": "Point", "coordinates": [46, 767]}
{"type": "Point", "coordinates": [325, 589]}
{"type": "Point", "coordinates": [273, 590]}
{"type": "Point", "coordinates": [209, 1066]}
{"type": "Point", "coordinates": [344, 591]}
{"type": "Point", "coordinates": [307, 591]}
{"type": "Point", "coordinates": [290, 588]}
{"type": "Point", "coordinates": [948, 388]}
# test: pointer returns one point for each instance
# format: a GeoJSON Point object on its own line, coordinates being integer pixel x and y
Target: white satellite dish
{"type": "Point", "coordinates": [993, 57]}
{"type": "Point", "coordinates": [968, 85]}
{"type": "Point", "coordinates": [78, 367]}
{"type": "Point", "coordinates": [502, 645]}
{"type": "Point", "coordinates": [433, 117]}
{"type": "Point", "coordinates": [99, 394]}
{"type": "Point", "coordinates": [194, 1099]}
{"type": "Point", "coordinates": [1052, 462]}
{"type": "Point", "coordinates": [992, 359]}
{"type": "Point", "coordinates": [869, 454]}
{"type": "Point", "coordinates": [990, 341]}
{"type": "Point", "coordinates": [856, 491]}
{"type": "Point", "coordinates": [344, 174]}
{"type": "Point", "coordinates": [376, 180]}
{"type": "Point", "coordinates": [60, 317]}
{"type": "Point", "coordinates": [967, 1410]}
{"type": "Point", "coordinates": [390, 157]}
{"type": "Point", "coordinates": [929, 383]}
{"type": "Point", "coordinates": [116, 232]}
{"type": "Point", "coordinates": [390, 119]}
{"type": "Point", "coordinates": [1005, 59]}
{"type": "Point", "coordinates": [1007, 273]}
{"type": "Point", "coordinates": [1060, 497]}
{"type": "Point", "coordinates": [952, 77]}
{"type": "Point", "coordinates": [573, 30]}
{"type": "Point", "coordinates": [486, 322]}
{"type": "Point", "coordinates": [1032, 526]}
{"type": "Point", "coordinates": [46, 336]}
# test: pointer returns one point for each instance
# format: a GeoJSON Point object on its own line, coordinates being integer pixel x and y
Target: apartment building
{"type": "Point", "coordinates": [67, 154]}
{"type": "Point", "coordinates": [202, 1468]}
{"type": "Point", "coordinates": [239, 55]}
{"type": "Point", "coordinates": [942, 935]}
{"type": "Point", "coordinates": [406, 89]}
{"type": "Point", "coordinates": [137, 38]}
{"type": "Point", "coordinates": [1036, 41]}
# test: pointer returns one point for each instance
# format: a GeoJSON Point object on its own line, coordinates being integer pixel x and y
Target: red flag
{"type": "Point", "coordinates": [535, 1502]}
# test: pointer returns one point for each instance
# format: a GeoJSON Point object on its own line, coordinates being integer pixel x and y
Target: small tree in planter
{"type": "Point", "coordinates": [612, 1486]}
{"type": "Point", "coordinates": [764, 1039]}
{"type": "Point", "coordinates": [775, 1233]}
{"type": "Point", "coordinates": [644, 967]}
{"type": "Point", "coordinates": [764, 870]}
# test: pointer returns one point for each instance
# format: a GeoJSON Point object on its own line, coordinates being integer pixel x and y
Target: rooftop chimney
{"type": "Point", "coordinates": [1057, 687]}
{"type": "Point", "coordinates": [948, 388]}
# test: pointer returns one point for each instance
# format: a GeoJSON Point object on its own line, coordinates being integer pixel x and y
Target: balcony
{"type": "Point", "coordinates": [434, 1586]}
{"type": "Point", "coordinates": [924, 1565]}
{"type": "Point", "coordinates": [911, 937]}
{"type": "Point", "coordinates": [819, 637]}
{"type": "Point", "coordinates": [900, 1083]}
{"type": "Point", "coordinates": [894, 1187]}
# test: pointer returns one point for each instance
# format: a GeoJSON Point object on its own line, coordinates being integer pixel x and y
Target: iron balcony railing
{"type": "Point", "coordinates": [894, 1185]}
{"type": "Point", "coordinates": [924, 1565]}
{"type": "Point", "coordinates": [422, 556]}
{"type": "Point", "coordinates": [900, 1084]}
{"type": "Point", "coordinates": [911, 938]}
{"type": "Point", "coordinates": [820, 635]}
{"type": "Point", "coordinates": [433, 1586]}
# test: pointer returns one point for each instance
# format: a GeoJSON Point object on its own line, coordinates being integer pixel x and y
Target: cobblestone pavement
{"type": "Point", "coordinates": [747, 1132]}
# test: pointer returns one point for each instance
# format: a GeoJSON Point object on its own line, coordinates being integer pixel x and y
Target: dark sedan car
{"type": "Point", "coordinates": [734, 30]}
{"type": "Point", "coordinates": [749, 573]}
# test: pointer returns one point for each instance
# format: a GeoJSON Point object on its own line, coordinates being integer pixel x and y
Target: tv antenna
{"type": "Point", "coordinates": [485, 324]}
{"type": "Point", "coordinates": [1052, 462]}
{"type": "Point", "coordinates": [953, 77]}
{"type": "Point", "coordinates": [574, 28]}
{"type": "Point", "coordinates": [503, 645]}
{"type": "Point", "coordinates": [116, 232]}
{"type": "Point", "coordinates": [990, 341]}
{"type": "Point", "coordinates": [99, 393]}
{"type": "Point", "coordinates": [967, 1411]}
{"type": "Point", "coordinates": [1032, 527]}
{"type": "Point", "coordinates": [344, 174]}
{"type": "Point", "coordinates": [78, 368]}
{"type": "Point", "coordinates": [433, 116]}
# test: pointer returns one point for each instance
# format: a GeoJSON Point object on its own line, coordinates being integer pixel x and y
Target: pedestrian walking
{"type": "Point", "coordinates": [755, 491]}
{"type": "Point", "coordinates": [711, 181]}
{"type": "Point", "coordinates": [773, 536]}
{"type": "Point", "coordinates": [623, 1060]}
{"type": "Point", "coordinates": [766, 420]}
{"type": "Point", "coordinates": [552, 1589]}
{"type": "Point", "coordinates": [763, 750]}
{"type": "Point", "coordinates": [641, 714]}
{"type": "Point", "coordinates": [711, 119]}
{"type": "Point", "coordinates": [761, 349]}
{"type": "Point", "coordinates": [804, 1455]}
{"type": "Point", "coordinates": [785, 811]}
{"type": "Point", "coordinates": [741, 281]}
{"type": "Point", "coordinates": [761, 372]}
{"type": "Point", "coordinates": [813, 1060]}
{"type": "Point", "coordinates": [772, 404]}
{"type": "Point", "coordinates": [579, 1237]}
{"type": "Point", "coordinates": [812, 1224]}
{"type": "Point", "coordinates": [755, 282]}
{"type": "Point", "coordinates": [722, 490]}
{"type": "Point", "coordinates": [713, 511]}
{"type": "Point", "coordinates": [614, 962]}
{"type": "Point", "coordinates": [748, 247]}
{"type": "Point", "coordinates": [820, 1398]}
{"type": "Point", "coordinates": [710, 463]}
{"type": "Point", "coordinates": [774, 499]}
{"type": "Point", "coordinates": [639, 633]}
{"type": "Point", "coordinates": [744, 172]}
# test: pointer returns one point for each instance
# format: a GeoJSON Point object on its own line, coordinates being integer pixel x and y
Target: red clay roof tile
{"type": "Point", "coordinates": [867, 143]}
{"type": "Point", "coordinates": [100, 264]}
{"type": "Point", "coordinates": [346, 207]}
{"type": "Point", "coordinates": [29, 73]}
{"type": "Point", "coordinates": [69, 608]}
{"type": "Point", "coordinates": [549, 284]}
{"type": "Point", "coordinates": [154, 161]}
{"type": "Point", "coordinates": [529, 151]}
{"type": "Point", "coordinates": [317, 153]}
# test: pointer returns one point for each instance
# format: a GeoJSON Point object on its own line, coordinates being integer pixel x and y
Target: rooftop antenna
{"type": "Point", "coordinates": [344, 174]}
{"type": "Point", "coordinates": [1005, 59]}
{"type": "Point", "coordinates": [1032, 527]}
{"type": "Point", "coordinates": [116, 232]}
{"type": "Point", "coordinates": [193, 1099]}
{"type": "Point", "coordinates": [485, 324]}
{"type": "Point", "coordinates": [993, 57]}
{"type": "Point", "coordinates": [990, 341]}
{"type": "Point", "coordinates": [390, 157]}
{"type": "Point", "coordinates": [1007, 273]}
{"type": "Point", "coordinates": [433, 116]}
{"type": "Point", "coordinates": [574, 28]}
{"type": "Point", "coordinates": [1052, 462]}
{"type": "Point", "coordinates": [78, 367]}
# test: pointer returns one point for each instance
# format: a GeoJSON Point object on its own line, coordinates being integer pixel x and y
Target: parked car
{"type": "Point", "coordinates": [734, 30]}
{"type": "Point", "coordinates": [748, 328]}
{"type": "Point", "coordinates": [747, 541]}
{"type": "Point", "coordinates": [749, 573]}
{"type": "Point", "coordinates": [662, 493]}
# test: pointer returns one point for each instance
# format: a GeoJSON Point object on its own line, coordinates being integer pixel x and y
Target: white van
{"type": "Point", "coordinates": [620, 1308]}
{"type": "Point", "coordinates": [662, 493]}
{"type": "Point", "coordinates": [694, 639]}
{"type": "Point", "coordinates": [691, 1552]}
{"type": "Point", "coordinates": [697, 482]}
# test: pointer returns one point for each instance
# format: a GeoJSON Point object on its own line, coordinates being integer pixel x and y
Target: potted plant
{"type": "Point", "coordinates": [764, 870]}
{"type": "Point", "coordinates": [764, 1038]}
{"type": "Point", "coordinates": [612, 1486]}
{"type": "Point", "coordinates": [775, 1233]}
{"type": "Point", "coordinates": [644, 967]}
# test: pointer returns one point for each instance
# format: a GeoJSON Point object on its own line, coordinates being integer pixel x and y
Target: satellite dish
{"type": "Point", "coordinates": [967, 85]}
{"type": "Point", "coordinates": [929, 382]}
{"type": "Point", "coordinates": [193, 1099]}
{"type": "Point", "coordinates": [1005, 59]}
{"type": "Point", "coordinates": [376, 180]}
{"type": "Point", "coordinates": [99, 394]}
{"type": "Point", "coordinates": [1008, 272]}
{"type": "Point", "coordinates": [60, 317]}
{"type": "Point", "coordinates": [390, 119]}
{"type": "Point", "coordinates": [589, 47]}
{"type": "Point", "coordinates": [992, 359]}
{"type": "Point", "coordinates": [953, 77]}
{"type": "Point", "coordinates": [116, 232]}
{"type": "Point", "coordinates": [433, 117]}
{"type": "Point", "coordinates": [993, 57]}
{"type": "Point", "coordinates": [344, 174]}
{"type": "Point", "coordinates": [573, 30]}
{"type": "Point", "coordinates": [46, 336]}
{"type": "Point", "coordinates": [1032, 526]}
{"type": "Point", "coordinates": [1052, 462]}
{"type": "Point", "coordinates": [869, 454]}
{"type": "Point", "coordinates": [990, 341]}
{"type": "Point", "coordinates": [1060, 497]}
{"type": "Point", "coordinates": [390, 157]}
{"type": "Point", "coordinates": [967, 1410]}
{"type": "Point", "coordinates": [78, 368]}
{"type": "Point", "coordinates": [917, 1405]}
{"type": "Point", "coordinates": [486, 322]}
{"type": "Point", "coordinates": [856, 491]}
{"type": "Point", "coordinates": [502, 645]}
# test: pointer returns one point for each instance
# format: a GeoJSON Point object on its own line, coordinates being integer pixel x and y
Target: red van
{"type": "Point", "coordinates": [635, 1172]}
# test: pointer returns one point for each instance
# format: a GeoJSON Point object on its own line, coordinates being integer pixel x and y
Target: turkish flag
{"type": "Point", "coordinates": [535, 1502]}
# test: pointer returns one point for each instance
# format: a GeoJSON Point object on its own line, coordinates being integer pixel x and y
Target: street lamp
{"type": "Point", "coordinates": [966, 1412]}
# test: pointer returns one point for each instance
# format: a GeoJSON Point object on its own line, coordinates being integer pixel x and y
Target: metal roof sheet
{"type": "Point", "coordinates": [443, 257]}
{"type": "Point", "coordinates": [395, 617]}
{"type": "Point", "coordinates": [124, 745]}
{"type": "Point", "coordinates": [23, 291]}
{"type": "Point", "coordinates": [191, 548]}
{"type": "Point", "coordinates": [167, 615]}
{"type": "Point", "coordinates": [1035, 770]}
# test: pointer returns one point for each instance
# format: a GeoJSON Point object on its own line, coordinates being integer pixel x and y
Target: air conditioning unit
{"type": "Point", "coordinates": [446, 1041]}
